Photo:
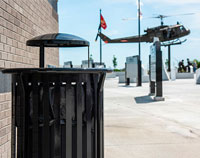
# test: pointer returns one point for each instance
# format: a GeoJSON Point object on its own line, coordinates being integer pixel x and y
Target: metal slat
{"type": "Point", "coordinates": [79, 118]}
{"type": "Point", "coordinates": [103, 125]}
{"type": "Point", "coordinates": [69, 104]}
{"type": "Point", "coordinates": [88, 119]}
{"type": "Point", "coordinates": [57, 126]}
{"type": "Point", "coordinates": [35, 95]}
{"type": "Point", "coordinates": [26, 116]}
{"type": "Point", "coordinates": [52, 122]}
{"type": "Point", "coordinates": [13, 126]}
{"type": "Point", "coordinates": [100, 125]}
{"type": "Point", "coordinates": [100, 117]}
{"type": "Point", "coordinates": [95, 82]}
{"type": "Point", "coordinates": [21, 134]}
{"type": "Point", "coordinates": [45, 131]}
{"type": "Point", "coordinates": [18, 119]}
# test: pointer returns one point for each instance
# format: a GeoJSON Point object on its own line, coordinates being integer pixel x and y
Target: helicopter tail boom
{"type": "Point", "coordinates": [132, 39]}
{"type": "Point", "coordinates": [104, 38]}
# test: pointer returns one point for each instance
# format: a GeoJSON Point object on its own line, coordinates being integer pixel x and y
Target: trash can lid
{"type": "Point", "coordinates": [58, 40]}
{"type": "Point", "coordinates": [56, 70]}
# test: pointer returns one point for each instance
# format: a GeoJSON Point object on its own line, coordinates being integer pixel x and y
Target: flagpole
{"type": "Point", "coordinates": [139, 49]}
{"type": "Point", "coordinates": [88, 56]}
{"type": "Point", "coordinates": [100, 41]}
{"type": "Point", "coordinates": [139, 46]}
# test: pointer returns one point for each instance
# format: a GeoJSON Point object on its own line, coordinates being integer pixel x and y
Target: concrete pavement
{"type": "Point", "coordinates": [138, 127]}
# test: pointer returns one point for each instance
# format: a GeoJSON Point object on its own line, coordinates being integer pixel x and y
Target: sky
{"type": "Point", "coordinates": [81, 18]}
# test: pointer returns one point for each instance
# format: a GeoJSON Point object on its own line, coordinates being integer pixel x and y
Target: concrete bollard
{"type": "Point", "coordinates": [198, 76]}
{"type": "Point", "coordinates": [173, 74]}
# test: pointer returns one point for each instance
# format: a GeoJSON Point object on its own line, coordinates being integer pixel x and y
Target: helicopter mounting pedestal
{"type": "Point", "coordinates": [169, 44]}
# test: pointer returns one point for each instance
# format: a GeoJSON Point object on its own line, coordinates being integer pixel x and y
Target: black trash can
{"type": "Point", "coordinates": [57, 112]}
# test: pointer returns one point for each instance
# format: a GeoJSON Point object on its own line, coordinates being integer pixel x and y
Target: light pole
{"type": "Point", "coordinates": [139, 83]}
{"type": "Point", "coordinates": [100, 41]}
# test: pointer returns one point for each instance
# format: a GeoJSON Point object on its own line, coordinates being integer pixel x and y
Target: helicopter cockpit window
{"type": "Point", "coordinates": [182, 28]}
{"type": "Point", "coordinates": [165, 34]}
{"type": "Point", "coordinates": [173, 32]}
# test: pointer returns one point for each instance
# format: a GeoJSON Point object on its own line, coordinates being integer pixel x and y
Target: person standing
{"type": "Point", "coordinates": [188, 64]}
{"type": "Point", "coordinates": [183, 66]}
{"type": "Point", "coordinates": [194, 66]}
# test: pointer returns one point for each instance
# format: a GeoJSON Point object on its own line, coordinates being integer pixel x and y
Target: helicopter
{"type": "Point", "coordinates": [163, 32]}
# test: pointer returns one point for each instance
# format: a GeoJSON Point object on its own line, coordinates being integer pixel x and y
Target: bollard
{"type": "Point", "coordinates": [127, 81]}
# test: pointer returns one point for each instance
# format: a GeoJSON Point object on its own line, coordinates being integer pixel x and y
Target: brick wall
{"type": "Point", "coordinates": [21, 20]}
{"type": "Point", "coordinates": [5, 128]}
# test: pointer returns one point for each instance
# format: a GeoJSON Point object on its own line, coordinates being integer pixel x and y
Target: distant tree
{"type": "Point", "coordinates": [197, 62]}
{"type": "Point", "coordinates": [114, 61]}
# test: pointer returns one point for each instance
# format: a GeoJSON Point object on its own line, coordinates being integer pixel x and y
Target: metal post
{"type": "Point", "coordinates": [152, 83]}
{"type": "Point", "coordinates": [169, 58]}
{"type": "Point", "coordinates": [88, 56]}
{"type": "Point", "coordinates": [159, 91]}
{"type": "Point", "coordinates": [100, 41]}
{"type": "Point", "coordinates": [42, 56]}
{"type": "Point", "coordinates": [125, 71]}
{"type": "Point", "coordinates": [149, 68]}
{"type": "Point", "coordinates": [139, 48]}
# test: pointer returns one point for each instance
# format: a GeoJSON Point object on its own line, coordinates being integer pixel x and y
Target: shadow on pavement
{"type": "Point", "coordinates": [143, 100]}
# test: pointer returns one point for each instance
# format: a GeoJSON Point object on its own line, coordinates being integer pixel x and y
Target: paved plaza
{"type": "Point", "coordinates": [138, 127]}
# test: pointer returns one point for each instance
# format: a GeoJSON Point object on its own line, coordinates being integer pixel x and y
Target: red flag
{"type": "Point", "coordinates": [103, 23]}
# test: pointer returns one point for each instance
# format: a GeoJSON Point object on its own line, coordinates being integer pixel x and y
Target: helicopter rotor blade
{"type": "Point", "coordinates": [159, 16]}
{"type": "Point", "coordinates": [127, 19]}
{"type": "Point", "coordinates": [180, 14]}
{"type": "Point", "coordinates": [166, 16]}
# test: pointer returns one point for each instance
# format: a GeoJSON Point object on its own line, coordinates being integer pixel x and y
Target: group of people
{"type": "Point", "coordinates": [187, 68]}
